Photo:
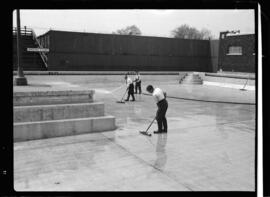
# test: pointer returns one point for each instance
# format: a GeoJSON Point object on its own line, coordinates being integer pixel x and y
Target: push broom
{"type": "Point", "coordinates": [121, 101]}
{"type": "Point", "coordinates": [145, 132]}
{"type": "Point", "coordinates": [243, 89]}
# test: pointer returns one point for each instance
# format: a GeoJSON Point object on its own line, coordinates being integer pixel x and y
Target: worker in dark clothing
{"type": "Point", "coordinates": [138, 83]}
{"type": "Point", "coordinates": [162, 104]}
{"type": "Point", "coordinates": [130, 88]}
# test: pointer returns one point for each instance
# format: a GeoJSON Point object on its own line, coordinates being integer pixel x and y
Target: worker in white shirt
{"type": "Point", "coordinates": [138, 83]}
{"type": "Point", "coordinates": [130, 88]}
{"type": "Point", "coordinates": [162, 104]}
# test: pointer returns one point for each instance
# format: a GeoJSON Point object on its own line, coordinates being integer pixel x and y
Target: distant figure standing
{"type": "Point", "coordinates": [130, 88]}
{"type": "Point", "coordinates": [162, 104]}
{"type": "Point", "coordinates": [138, 83]}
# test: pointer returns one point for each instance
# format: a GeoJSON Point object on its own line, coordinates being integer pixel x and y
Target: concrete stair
{"type": "Point", "coordinates": [24, 131]}
{"type": "Point", "coordinates": [52, 97]}
{"type": "Point", "coordinates": [46, 118]}
{"type": "Point", "coordinates": [191, 78]}
{"type": "Point", "coordinates": [57, 112]}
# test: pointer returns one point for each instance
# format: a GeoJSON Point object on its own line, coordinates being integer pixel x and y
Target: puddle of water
{"type": "Point", "coordinates": [61, 83]}
{"type": "Point", "coordinates": [228, 85]}
{"type": "Point", "coordinates": [102, 91]}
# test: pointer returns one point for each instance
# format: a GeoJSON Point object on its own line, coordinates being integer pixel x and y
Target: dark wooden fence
{"type": "Point", "coordinates": [89, 51]}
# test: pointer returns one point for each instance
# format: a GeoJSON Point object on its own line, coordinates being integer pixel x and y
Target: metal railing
{"type": "Point", "coordinates": [41, 53]}
{"type": "Point", "coordinates": [30, 32]}
{"type": "Point", "coordinates": [24, 31]}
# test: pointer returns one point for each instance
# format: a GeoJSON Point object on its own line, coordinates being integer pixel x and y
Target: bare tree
{"type": "Point", "coordinates": [206, 34]}
{"type": "Point", "coordinates": [129, 30]}
{"type": "Point", "coordinates": [187, 32]}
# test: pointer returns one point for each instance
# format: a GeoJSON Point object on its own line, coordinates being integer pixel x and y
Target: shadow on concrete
{"type": "Point", "coordinates": [39, 85]}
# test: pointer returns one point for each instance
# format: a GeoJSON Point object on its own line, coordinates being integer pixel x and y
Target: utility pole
{"type": "Point", "coordinates": [19, 80]}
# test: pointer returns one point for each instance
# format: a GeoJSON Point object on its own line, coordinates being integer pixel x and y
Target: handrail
{"type": "Point", "coordinates": [29, 31]}
{"type": "Point", "coordinates": [24, 31]}
{"type": "Point", "coordinates": [41, 53]}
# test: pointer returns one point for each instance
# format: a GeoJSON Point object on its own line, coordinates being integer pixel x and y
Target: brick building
{"type": "Point", "coordinates": [236, 52]}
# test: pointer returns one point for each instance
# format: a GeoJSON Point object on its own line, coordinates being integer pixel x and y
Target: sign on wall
{"type": "Point", "coordinates": [37, 50]}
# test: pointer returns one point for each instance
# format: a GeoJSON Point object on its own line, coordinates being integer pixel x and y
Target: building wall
{"type": "Point", "coordinates": [88, 51]}
{"type": "Point", "coordinates": [237, 63]}
{"type": "Point", "coordinates": [214, 47]}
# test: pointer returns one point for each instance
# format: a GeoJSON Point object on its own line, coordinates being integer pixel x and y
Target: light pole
{"type": "Point", "coordinates": [19, 80]}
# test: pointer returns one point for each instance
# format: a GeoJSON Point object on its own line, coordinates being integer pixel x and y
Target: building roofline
{"type": "Point", "coordinates": [107, 34]}
{"type": "Point", "coordinates": [44, 33]}
{"type": "Point", "coordinates": [244, 34]}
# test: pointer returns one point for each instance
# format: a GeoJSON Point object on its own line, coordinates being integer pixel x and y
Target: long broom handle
{"type": "Point", "coordinates": [150, 124]}
{"type": "Point", "coordinates": [124, 95]}
{"type": "Point", "coordinates": [245, 83]}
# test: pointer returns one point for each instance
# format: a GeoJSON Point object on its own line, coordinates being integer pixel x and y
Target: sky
{"type": "Point", "coordinates": [151, 22]}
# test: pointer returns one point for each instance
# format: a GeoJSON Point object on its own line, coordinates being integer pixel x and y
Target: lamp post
{"type": "Point", "coordinates": [19, 80]}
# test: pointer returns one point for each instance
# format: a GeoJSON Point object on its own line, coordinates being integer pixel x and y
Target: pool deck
{"type": "Point", "coordinates": [209, 146]}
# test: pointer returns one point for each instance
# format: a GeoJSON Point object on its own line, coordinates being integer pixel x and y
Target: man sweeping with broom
{"type": "Point", "coordinates": [162, 104]}
{"type": "Point", "coordinates": [130, 88]}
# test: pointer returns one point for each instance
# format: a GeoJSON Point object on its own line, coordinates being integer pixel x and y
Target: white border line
{"type": "Point", "coordinates": [259, 123]}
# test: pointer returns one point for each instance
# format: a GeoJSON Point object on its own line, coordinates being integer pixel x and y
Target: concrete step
{"type": "Point", "coordinates": [191, 78]}
{"type": "Point", "coordinates": [192, 82]}
{"type": "Point", "coordinates": [56, 128]}
{"type": "Point", "coordinates": [52, 97]}
{"type": "Point", "coordinates": [57, 112]}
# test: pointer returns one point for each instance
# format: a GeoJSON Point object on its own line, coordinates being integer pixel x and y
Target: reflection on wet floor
{"type": "Point", "coordinates": [161, 156]}
{"type": "Point", "coordinates": [209, 133]}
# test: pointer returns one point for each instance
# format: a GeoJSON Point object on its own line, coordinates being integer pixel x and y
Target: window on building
{"type": "Point", "coordinates": [234, 50]}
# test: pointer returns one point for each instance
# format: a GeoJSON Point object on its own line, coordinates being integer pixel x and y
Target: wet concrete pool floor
{"type": "Point", "coordinates": [208, 147]}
